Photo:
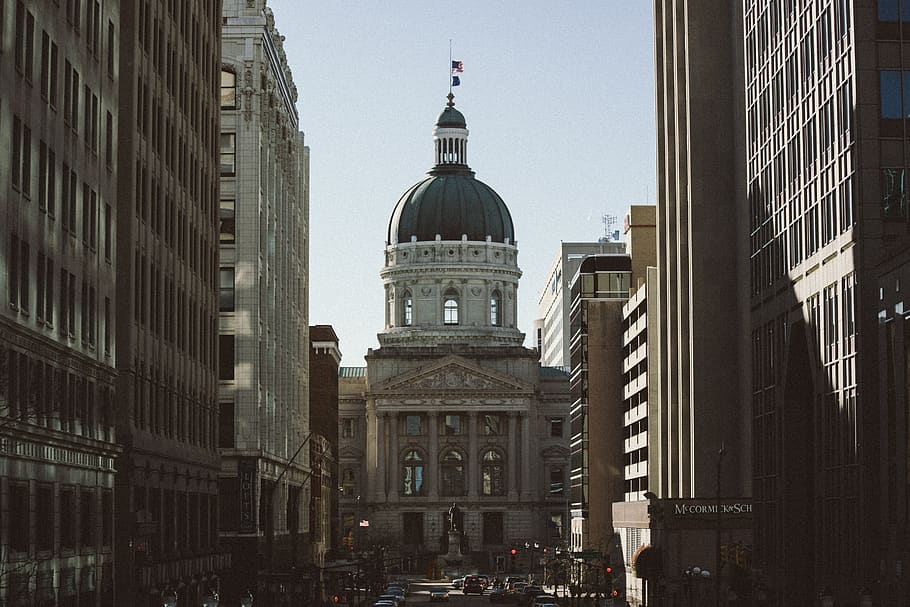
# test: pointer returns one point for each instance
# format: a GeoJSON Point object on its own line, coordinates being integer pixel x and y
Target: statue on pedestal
{"type": "Point", "coordinates": [454, 511]}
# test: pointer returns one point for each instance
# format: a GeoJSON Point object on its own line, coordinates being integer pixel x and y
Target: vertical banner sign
{"type": "Point", "coordinates": [246, 472]}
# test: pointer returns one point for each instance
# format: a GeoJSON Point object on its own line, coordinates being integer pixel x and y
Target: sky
{"type": "Point", "coordinates": [559, 103]}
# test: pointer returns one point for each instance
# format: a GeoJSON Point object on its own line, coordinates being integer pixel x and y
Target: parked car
{"type": "Point", "coordinates": [439, 594]}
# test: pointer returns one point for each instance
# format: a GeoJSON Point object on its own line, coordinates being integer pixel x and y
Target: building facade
{"type": "Point", "coordinates": [553, 305]}
{"type": "Point", "coordinates": [452, 408]}
{"type": "Point", "coordinates": [58, 116]}
{"type": "Point", "coordinates": [325, 358]}
{"type": "Point", "coordinates": [166, 305]}
{"type": "Point", "coordinates": [263, 331]}
{"type": "Point", "coordinates": [825, 165]}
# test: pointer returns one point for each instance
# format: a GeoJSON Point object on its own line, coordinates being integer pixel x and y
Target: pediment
{"type": "Point", "coordinates": [555, 452]}
{"type": "Point", "coordinates": [351, 453]}
{"type": "Point", "coordinates": [453, 374]}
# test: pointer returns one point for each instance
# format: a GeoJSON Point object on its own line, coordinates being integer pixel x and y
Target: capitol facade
{"type": "Point", "coordinates": [452, 408]}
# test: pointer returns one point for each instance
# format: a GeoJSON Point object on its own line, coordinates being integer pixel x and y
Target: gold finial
{"type": "Point", "coordinates": [451, 97]}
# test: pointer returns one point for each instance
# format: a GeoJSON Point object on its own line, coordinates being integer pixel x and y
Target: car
{"type": "Point", "coordinates": [503, 595]}
{"type": "Point", "coordinates": [472, 584]}
{"type": "Point", "coordinates": [393, 598]}
{"type": "Point", "coordinates": [439, 594]}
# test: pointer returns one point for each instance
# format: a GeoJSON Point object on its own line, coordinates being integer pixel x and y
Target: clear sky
{"type": "Point", "coordinates": [559, 102]}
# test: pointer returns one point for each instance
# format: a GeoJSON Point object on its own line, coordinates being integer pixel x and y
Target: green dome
{"type": "Point", "coordinates": [451, 204]}
{"type": "Point", "coordinates": [451, 118]}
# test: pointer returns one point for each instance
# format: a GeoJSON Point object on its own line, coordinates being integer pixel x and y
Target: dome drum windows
{"type": "Point", "coordinates": [450, 307]}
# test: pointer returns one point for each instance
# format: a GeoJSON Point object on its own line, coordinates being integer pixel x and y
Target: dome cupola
{"type": "Point", "coordinates": [451, 203]}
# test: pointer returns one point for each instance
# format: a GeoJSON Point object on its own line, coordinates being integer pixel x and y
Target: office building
{"type": "Point", "coordinates": [263, 330]}
{"type": "Point", "coordinates": [166, 306]}
{"type": "Point", "coordinates": [58, 356]}
{"type": "Point", "coordinates": [552, 323]}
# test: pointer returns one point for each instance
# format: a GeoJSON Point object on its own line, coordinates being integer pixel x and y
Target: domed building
{"type": "Point", "coordinates": [452, 408]}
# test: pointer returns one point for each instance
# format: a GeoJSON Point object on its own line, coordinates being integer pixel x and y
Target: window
{"type": "Point", "coordinates": [557, 480]}
{"type": "Point", "coordinates": [492, 425]}
{"type": "Point", "coordinates": [348, 424]}
{"type": "Point", "coordinates": [226, 425]}
{"type": "Point", "coordinates": [226, 291]}
{"type": "Point", "coordinates": [895, 199]}
{"type": "Point", "coordinates": [492, 471]}
{"type": "Point", "coordinates": [347, 482]}
{"type": "Point", "coordinates": [412, 474]}
{"type": "Point", "coordinates": [45, 512]}
{"type": "Point", "coordinates": [22, 157]}
{"type": "Point", "coordinates": [408, 309]}
{"type": "Point", "coordinates": [228, 90]}
{"type": "Point", "coordinates": [226, 357]}
{"type": "Point", "coordinates": [19, 512]}
{"type": "Point", "coordinates": [450, 307]}
{"type": "Point", "coordinates": [68, 518]}
{"type": "Point", "coordinates": [228, 154]}
{"type": "Point", "coordinates": [556, 427]}
{"type": "Point", "coordinates": [451, 474]}
{"type": "Point", "coordinates": [413, 425]}
{"type": "Point", "coordinates": [453, 425]}
{"type": "Point", "coordinates": [226, 222]}
{"type": "Point", "coordinates": [87, 518]}
{"type": "Point", "coordinates": [496, 309]}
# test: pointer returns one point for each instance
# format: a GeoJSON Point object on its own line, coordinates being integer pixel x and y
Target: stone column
{"type": "Point", "coordinates": [380, 457]}
{"type": "Point", "coordinates": [526, 454]}
{"type": "Point", "coordinates": [512, 471]}
{"type": "Point", "coordinates": [473, 461]}
{"type": "Point", "coordinates": [394, 465]}
{"type": "Point", "coordinates": [432, 467]}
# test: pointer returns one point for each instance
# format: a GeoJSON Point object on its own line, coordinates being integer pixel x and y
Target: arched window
{"type": "Point", "coordinates": [450, 307]}
{"type": "Point", "coordinates": [452, 474]}
{"type": "Point", "coordinates": [496, 309]}
{"type": "Point", "coordinates": [412, 474]}
{"type": "Point", "coordinates": [228, 89]}
{"type": "Point", "coordinates": [408, 309]}
{"type": "Point", "coordinates": [347, 482]}
{"type": "Point", "coordinates": [492, 472]}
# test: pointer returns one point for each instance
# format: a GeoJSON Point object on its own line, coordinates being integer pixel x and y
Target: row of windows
{"type": "Point", "coordinates": [452, 475]}
{"type": "Point", "coordinates": [186, 521]}
{"type": "Point", "coordinates": [452, 425]}
{"type": "Point", "coordinates": [38, 392]}
{"type": "Point", "coordinates": [48, 200]}
{"type": "Point", "coordinates": [45, 517]}
{"type": "Point", "coordinates": [169, 407]}
{"type": "Point", "coordinates": [20, 279]}
{"type": "Point", "coordinates": [450, 306]}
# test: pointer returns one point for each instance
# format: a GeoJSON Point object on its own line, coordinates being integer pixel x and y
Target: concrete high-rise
{"type": "Point", "coordinates": [263, 330]}
{"type": "Point", "coordinates": [58, 116]}
{"type": "Point", "coordinates": [166, 304]}
{"type": "Point", "coordinates": [554, 300]}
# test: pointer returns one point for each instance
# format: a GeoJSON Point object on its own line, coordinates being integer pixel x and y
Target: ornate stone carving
{"type": "Point", "coordinates": [454, 378]}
